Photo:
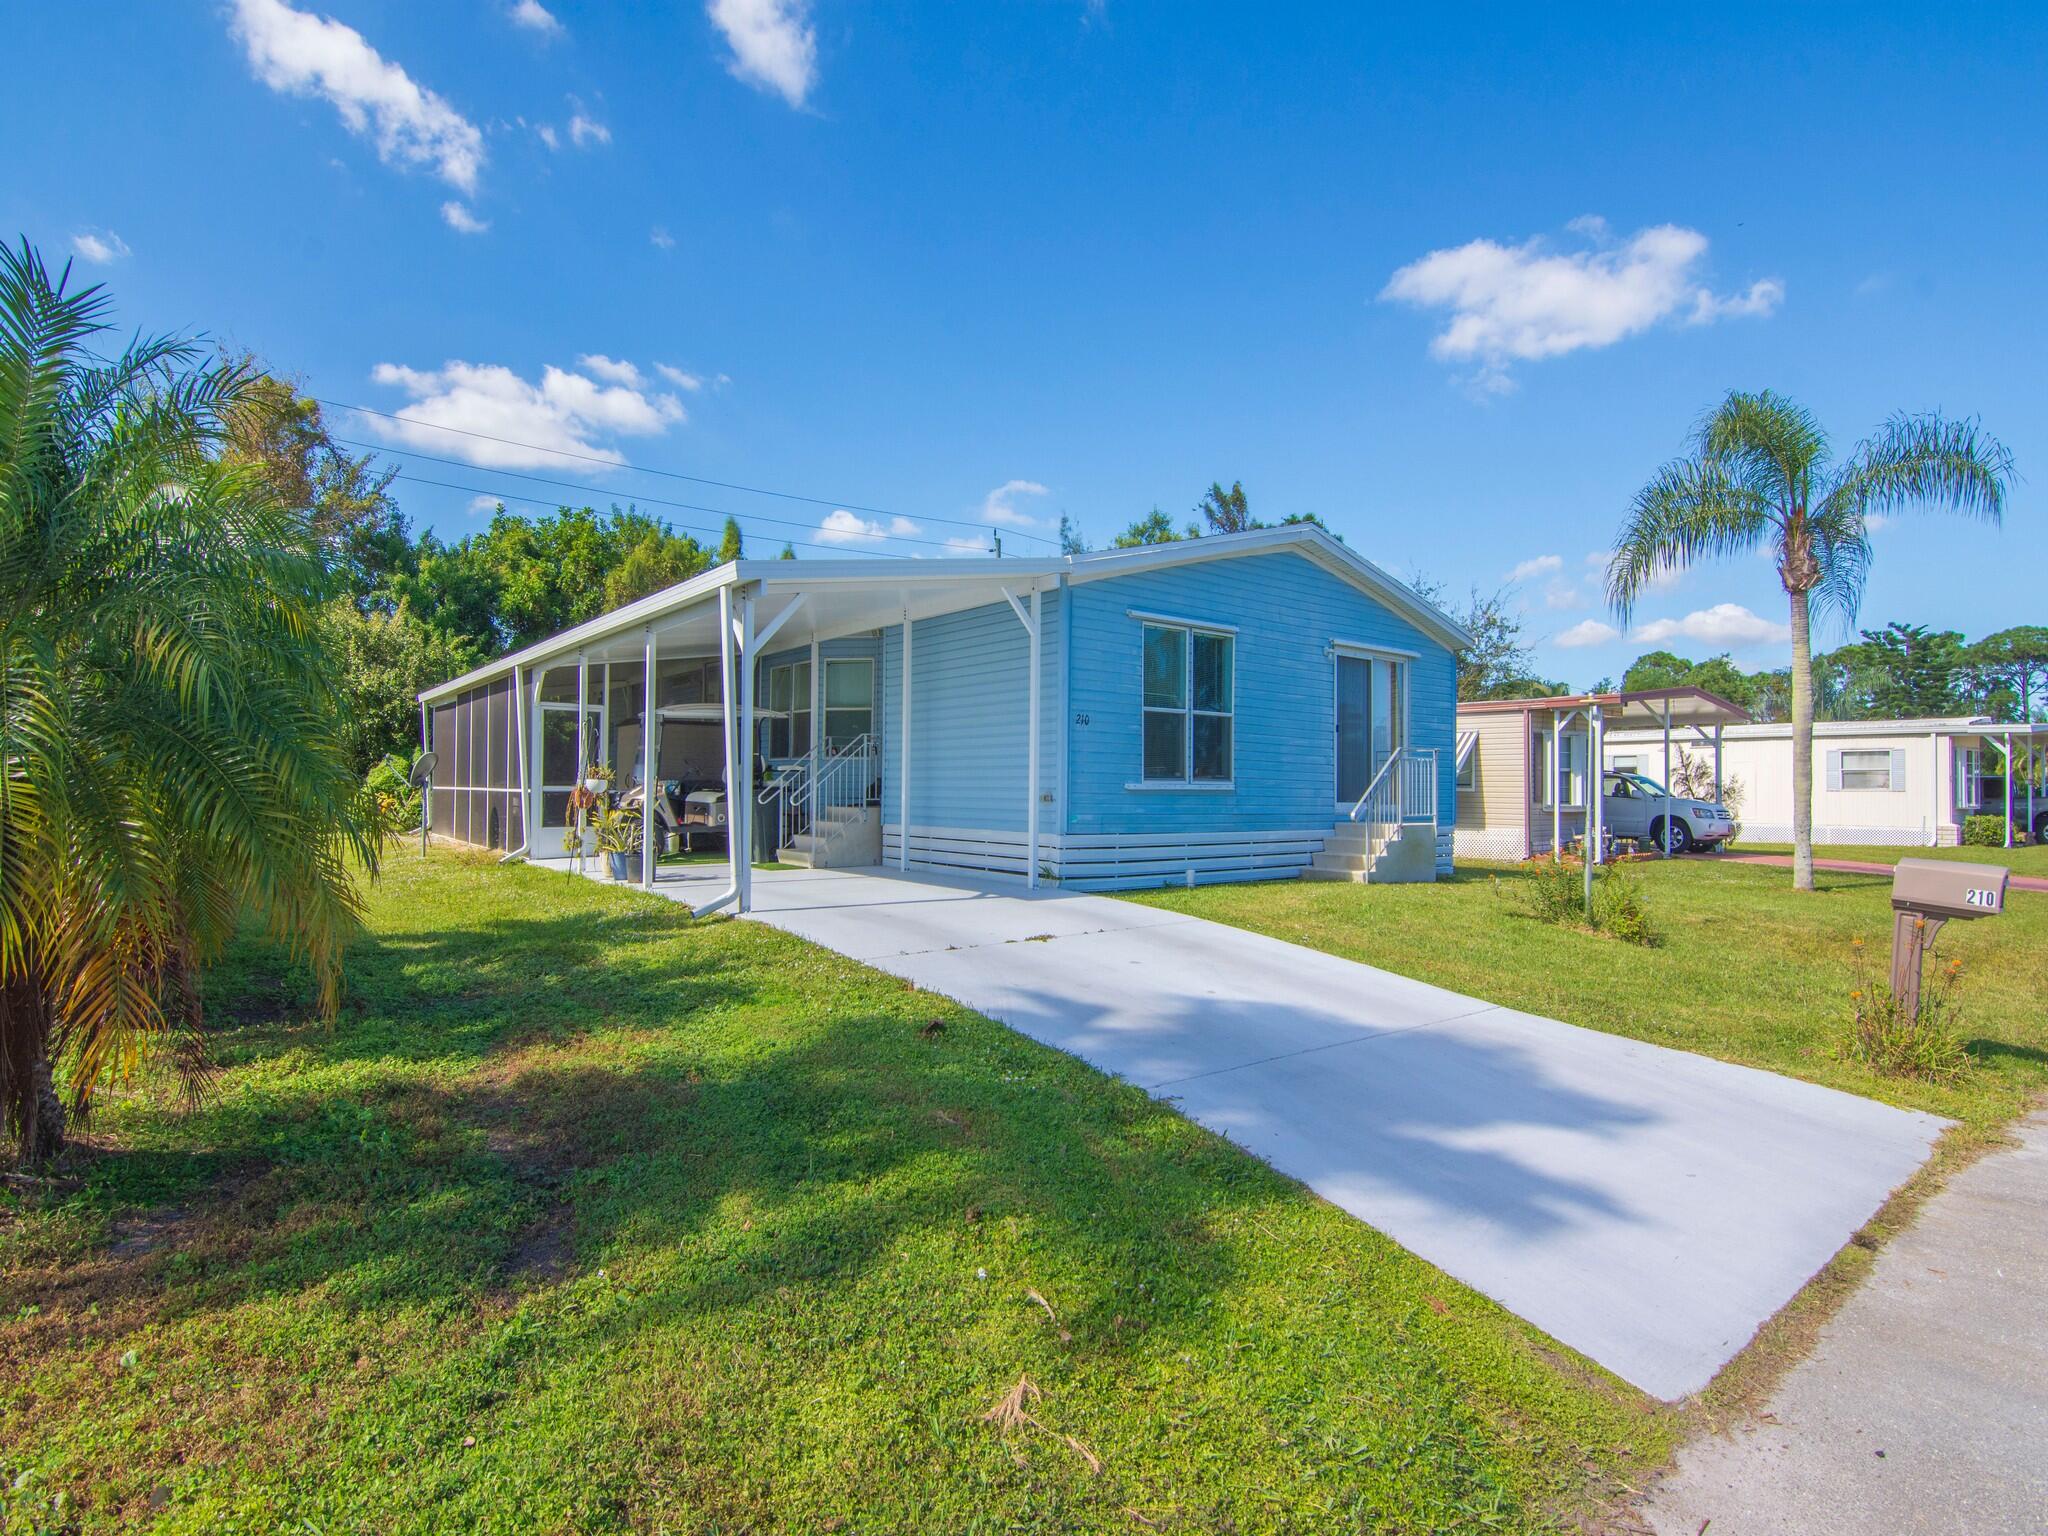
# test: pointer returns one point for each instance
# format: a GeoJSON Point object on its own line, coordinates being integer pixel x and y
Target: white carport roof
{"type": "Point", "coordinates": [824, 598]}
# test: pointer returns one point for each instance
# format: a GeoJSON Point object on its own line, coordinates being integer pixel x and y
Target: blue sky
{"type": "Point", "coordinates": [1457, 282]}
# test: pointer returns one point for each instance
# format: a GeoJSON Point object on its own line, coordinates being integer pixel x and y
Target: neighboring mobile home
{"type": "Point", "coordinates": [1521, 764]}
{"type": "Point", "coordinates": [1245, 706]}
{"type": "Point", "coordinates": [1899, 782]}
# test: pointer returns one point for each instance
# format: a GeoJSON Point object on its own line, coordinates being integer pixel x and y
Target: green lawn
{"type": "Point", "coordinates": [2021, 861]}
{"type": "Point", "coordinates": [587, 1218]}
{"type": "Point", "coordinates": [1746, 968]}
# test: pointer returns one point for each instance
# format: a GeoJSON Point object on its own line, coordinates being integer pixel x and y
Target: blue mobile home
{"type": "Point", "coordinates": [1248, 706]}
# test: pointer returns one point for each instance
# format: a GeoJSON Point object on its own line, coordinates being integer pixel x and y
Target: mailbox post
{"type": "Point", "coordinates": [1925, 894]}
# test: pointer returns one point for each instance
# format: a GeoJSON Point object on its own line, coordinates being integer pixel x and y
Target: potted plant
{"type": "Point", "coordinates": [618, 839]}
{"type": "Point", "coordinates": [597, 777]}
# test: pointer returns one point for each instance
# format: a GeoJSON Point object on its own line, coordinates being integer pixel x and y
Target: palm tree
{"type": "Point", "coordinates": [170, 731]}
{"type": "Point", "coordinates": [1760, 475]}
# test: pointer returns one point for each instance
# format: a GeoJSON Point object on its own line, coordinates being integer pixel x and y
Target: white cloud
{"type": "Point", "coordinates": [844, 527]}
{"type": "Point", "coordinates": [661, 239]}
{"type": "Point", "coordinates": [548, 136]}
{"type": "Point", "coordinates": [1722, 624]}
{"type": "Point", "coordinates": [999, 505]}
{"type": "Point", "coordinates": [1561, 594]}
{"type": "Point", "coordinates": [1586, 632]}
{"type": "Point", "coordinates": [966, 544]}
{"type": "Point", "coordinates": [459, 218]}
{"type": "Point", "coordinates": [610, 369]}
{"type": "Point", "coordinates": [101, 248]}
{"type": "Point", "coordinates": [585, 130]}
{"type": "Point", "coordinates": [678, 377]}
{"type": "Point", "coordinates": [313, 56]}
{"type": "Point", "coordinates": [773, 45]}
{"type": "Point", "coordinates": [566, 411]}
{"type": "Point", "coordinates": [1541, 565]}
{"type": "Point", "coordinates": [535, 17]}
{"type": "Point", "coordinates": [483, 504]}
{"type": "Point", "coordinates": [1511, 303]}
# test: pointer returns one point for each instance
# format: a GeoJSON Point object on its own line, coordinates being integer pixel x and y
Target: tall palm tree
{"type": "Point", "coordinates": [171, 757]}
{"type": "Point", "coordinates": [1761, 476]}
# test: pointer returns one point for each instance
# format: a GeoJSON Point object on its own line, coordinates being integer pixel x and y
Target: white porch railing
{"type": "Point", "coordinates": [1404, 790]}
{"type": "Point", "coordinates": [805, 795]}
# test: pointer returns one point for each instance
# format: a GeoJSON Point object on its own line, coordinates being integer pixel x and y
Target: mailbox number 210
{"type": "Point", "coordinates": [1977, 896]}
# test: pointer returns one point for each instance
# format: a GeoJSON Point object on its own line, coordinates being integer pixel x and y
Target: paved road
{"type": "Point", "coordinates": [1648, 1207]}
{"type": "Point", "coordinates": [1923, 1410]}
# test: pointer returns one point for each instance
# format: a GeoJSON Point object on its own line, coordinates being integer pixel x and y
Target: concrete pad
{"type": "Point", "coordinates": [1647, 1207]}
{"type": "Point", "coordinates": [1923, 1409]}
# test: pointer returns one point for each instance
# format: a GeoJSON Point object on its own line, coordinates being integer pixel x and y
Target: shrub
{"type": "Point", "coordinates": [397, 804]}
{"type": "Point", "coordinates": [1620, 906]}
{"type": "Point", "coordinates": [1985, 831]}
{"type": "Point", "coordinates": [1554, 891]}
{"type": "Point", "coordinates": [1882, 1038]}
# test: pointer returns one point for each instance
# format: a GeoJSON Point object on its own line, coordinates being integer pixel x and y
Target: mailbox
{"type": "Point", "coordinates": [1925, 894]}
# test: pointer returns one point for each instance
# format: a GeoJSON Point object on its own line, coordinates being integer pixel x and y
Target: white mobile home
{"type": "Point", "coordinates": [1898, 782]}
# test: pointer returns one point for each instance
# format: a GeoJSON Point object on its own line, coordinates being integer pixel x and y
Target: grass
{"type": "Point", "coordinates": [585, 1217]}
{"type": "Point", "coordinates": [2031, 860]}
{"type": "Point", "coordinates": [1744, 967]}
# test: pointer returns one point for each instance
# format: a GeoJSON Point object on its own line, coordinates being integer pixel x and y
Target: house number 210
{"type": "Point", "coordinates": [1080, 719]}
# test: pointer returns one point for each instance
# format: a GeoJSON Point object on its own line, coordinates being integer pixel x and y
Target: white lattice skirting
{"type": "Point", "coordinates": [1497, 845]}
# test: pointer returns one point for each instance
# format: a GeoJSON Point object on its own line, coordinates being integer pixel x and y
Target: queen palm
{"type": "Point", "coordinates": [1761, 476]}
{"type": "Point", "coordinates": [173, 759]}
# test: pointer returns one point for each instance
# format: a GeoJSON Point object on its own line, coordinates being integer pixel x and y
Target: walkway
{"type": "Point", "coordinates": [1844, 866]}
{"type": "Point", "coordinates": [1924, 1406]}
{"type": "Point", "coordinates": [1647, 1207]}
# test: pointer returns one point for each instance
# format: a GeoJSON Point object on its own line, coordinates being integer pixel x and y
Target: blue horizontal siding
{"type": "Point", "coordinates": [1287, 611]}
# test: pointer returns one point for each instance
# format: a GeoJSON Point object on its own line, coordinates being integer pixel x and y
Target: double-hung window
{"type": "Point", "coordinates": [1190, 688]}
{"type": "Point", "coordinates": [1866, 770]}
{"type": "Point", "coordinates": [1969, 779]}
{"type": "Point", "coordinates": [849, 700]}
{"type": "Point", "coordinates": [789, 697]}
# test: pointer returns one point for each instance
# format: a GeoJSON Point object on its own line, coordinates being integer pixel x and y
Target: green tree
{"type": "Point", "coordinates": [382, 661]}
{"type": "Point", "coordinates": [1071, 542]}
{"type": "Point", "coordinates": [1718, 675]}
{"type": "Point", "coordinates": [1226, 511]}
{"type": "Point", "coordinates": [730, 546]}
{"type": "Point", "coordinates": [1761, 475]}
{"type": "Point", "coordinates": [788, 552]}
{"type": "Point", "coordinates": [173, 754]}
{"type": "Point", "coordinates": [1156, 528]}
{"type": "Point", "coordinates": [648, 563]}
{"type": "Point", "coordinates": [1898, 672]}
{"type": "Point", "coordinates": [2013, 663]}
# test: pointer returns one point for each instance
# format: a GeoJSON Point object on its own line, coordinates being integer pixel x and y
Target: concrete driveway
{"type": "Point", "coordinates": [1647, 1207]}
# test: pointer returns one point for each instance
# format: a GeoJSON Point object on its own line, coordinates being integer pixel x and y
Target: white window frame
{"type": "Point", "coordinates": [1969, 778]}
{"type": "Point", "coordinates": [820, 732]}
{"type": "Point", "coordinates": [1882, 753]}
{"type": "Point", "coordinates": [799, 706]}
{"type": "Point", "coordinates": [1468, 772]}
{"type": "Point", "coordinates": [1187, 711]}
{"type": "Point", "coordinates": [1543, 774]}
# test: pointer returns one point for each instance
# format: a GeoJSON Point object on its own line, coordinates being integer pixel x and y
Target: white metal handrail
{"type": "Point", "coordinates": [1418, 786]}
{"type": "Point", "coordinates": [805, 792]}
{"type": "Point", "coordinates": [1381, 795]}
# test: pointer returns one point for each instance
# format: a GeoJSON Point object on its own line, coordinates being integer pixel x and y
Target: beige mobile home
{"type": "Point", "coordinates": [1898, 782]}
{"type": "Point", "coordinates": [1522, 763]}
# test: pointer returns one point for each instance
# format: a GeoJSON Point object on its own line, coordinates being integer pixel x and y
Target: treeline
{"type": "Point", "coordinates": [409, 611]}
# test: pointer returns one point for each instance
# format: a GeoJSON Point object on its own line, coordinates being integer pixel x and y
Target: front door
{"type": "Point", "coordinates": [1369, 726]}
{"type": "Point", "coordinates": [1354, 729]}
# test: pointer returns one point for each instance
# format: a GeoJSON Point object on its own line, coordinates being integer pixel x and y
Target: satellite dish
{"type": "Point", "coordinates": [422, 773]}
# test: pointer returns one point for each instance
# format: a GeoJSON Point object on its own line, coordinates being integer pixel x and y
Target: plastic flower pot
{"type": "Point", "coordinates": [622, 866]}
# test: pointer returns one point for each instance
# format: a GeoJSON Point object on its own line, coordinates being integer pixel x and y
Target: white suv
{"type": "Point", "coordinates": [1633, 808]}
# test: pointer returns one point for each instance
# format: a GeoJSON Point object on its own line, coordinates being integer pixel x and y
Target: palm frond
{"type": "Point", "coordinates": [1691, 510]}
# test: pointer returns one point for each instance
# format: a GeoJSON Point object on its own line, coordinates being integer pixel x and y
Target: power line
{"type": "Point", "coordinates": [714, 533]}
{"type": "Point", "coordinates": [612, 491]}
{"type": "Point", "coordinates": [671, 474]}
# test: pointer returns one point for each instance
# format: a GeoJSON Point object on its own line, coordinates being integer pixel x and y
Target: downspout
{"type": "Point", "coordinates": [726, 703]}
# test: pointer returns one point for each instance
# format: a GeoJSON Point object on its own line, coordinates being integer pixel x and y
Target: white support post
{"type": "Point", "coordinates": [1554, 772]}
{"type": "Point", "coordinates": [1595, 811]}
{"type": "Point", "coordinates": [2008, 789]}
{"type": "Point", "coordinates": [525, 793]}
{"type": "Point", "coordinates": [427, 789]}
{"type": "Point", "coordinates": [903, 766]}
{"type": "Point", "coordinates": [1718, 729]}
{"type": "Point", "coordinates": [727, 681]}
{"type": "Point", "coordinates": [650, 761]}
{"type": "Point", "coordinates": [1667, 778]}
{"type": "Point", "coordinates": [1031, 753]}
{"type": "Point", "coordinates": [582, 746]}
{"type": "Point", "coordinates": [746, 816]}
{"type": "Point", "coordinates": [817, 726]}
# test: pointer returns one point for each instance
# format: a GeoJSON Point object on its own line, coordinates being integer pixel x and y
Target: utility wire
{"type": "Point", "coordinates": [614, 493]}
{"type": "Point", "coordinates": [712, 533]}
{"type": "Point", "coordinates": [642, 469]}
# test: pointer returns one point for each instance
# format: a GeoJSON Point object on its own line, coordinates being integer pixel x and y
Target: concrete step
{"type": "Point", "coordinates": [1341, 863]}
{"type": "Point", "coordinates": [800, 857]}
{"type": "Point", "coordinates": [1354, 876]}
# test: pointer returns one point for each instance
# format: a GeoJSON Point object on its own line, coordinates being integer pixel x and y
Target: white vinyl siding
{"type": "Point", "coordinates": [1867, 768]}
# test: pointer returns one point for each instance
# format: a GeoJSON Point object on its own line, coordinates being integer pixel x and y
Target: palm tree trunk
{"type": "Point", "coordinates": [1802, 746]}
{"type": "Point", "coordinates": [32, 1109]}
